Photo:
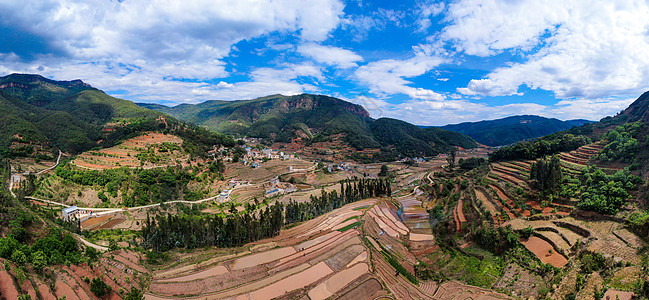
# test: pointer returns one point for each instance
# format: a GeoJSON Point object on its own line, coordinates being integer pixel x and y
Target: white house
{"type": "Point", "coordinates": [69, 212]}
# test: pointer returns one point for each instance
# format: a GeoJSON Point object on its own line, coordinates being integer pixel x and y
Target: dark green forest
{"type": "Point", "coordinates": [163, 233]}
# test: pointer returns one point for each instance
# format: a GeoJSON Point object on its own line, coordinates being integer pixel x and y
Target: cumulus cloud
{"type": "Point", "coordinates": [154, 42]}
{"type": "Point", "coordinates": [436, 113]}
{"type": "Point", "coordinates": [591, 49]}
{"type": "Point", "coordinates": [330, 55]}
{"type": "Point", "coordinates": [387, 76]}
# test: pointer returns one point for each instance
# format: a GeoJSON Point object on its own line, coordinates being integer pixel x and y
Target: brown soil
{"type": "Point", "coordinates": [365, 290]}
{"type": "Point", "coordinates": [544, 251]}
{"type": "Point", "coordinates": [214, 271]}
{"type": "Point", "coordinates": [94, 221]}
{"type": "Point", "coordinates": [300, 280]}
{"type": "Point", "coordinates": [338, 281]}
{"type": "Point", "coordinates": [111, 223]}
{"type": "Point", "coordinates": [261, 258]}
{"type": "Point", "coordinates": [342, 258]}
{"type": "Point", "coordinates": [7, 287]}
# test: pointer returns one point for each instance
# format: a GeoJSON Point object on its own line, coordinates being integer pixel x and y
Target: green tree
{"type": "Point", "coordinates": [384, 171]}
{"type": "Point", "coordinates": [19, 257]}
{"type": "Point", "coordinates": [99, 287]}
{"type": "Point", "coordinates": [450, 158]}
{"type": "Point", "coordinates": [39, 261]}
{"type": "Point", "coordinates": [112, 245]}
{"type": "Point", "coordinates": [92, 254]}
{"type": "Point", "coordinates": [134, 294]}
{"type": "Point", "coordinates": [547, 173]}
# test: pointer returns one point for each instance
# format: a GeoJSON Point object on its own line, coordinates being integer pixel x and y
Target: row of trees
{"type": "Point", "coordinates": [551, 144]}
{"type": "Point", "coordinates": [163, 233]}
{"type": "Point", "coordinates": [190, 231]}
{"type": "Point", "coordinates": [350, 191]}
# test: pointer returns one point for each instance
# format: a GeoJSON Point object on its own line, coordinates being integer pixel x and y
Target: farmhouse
{"type": "Point", "coordinates": [70, 212]}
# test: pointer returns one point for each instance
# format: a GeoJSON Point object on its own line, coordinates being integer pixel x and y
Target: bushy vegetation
{"type": "Point", "coordinates": [99, 287]}
{"type": "Point", "coordinates": [56, 248]}
{"type": "Point", "coordinates": [604, 193]}
{"type": "Point", "coordinates": [471, 163]}
{"type": "Point", "coordinates": [142, 186]}
{"type": "Point", "coordinates": [497, 240]}
{"type": "Point", "coordinates": [551, 144]}
{"type": "Point", "coordinates": [623, 142]}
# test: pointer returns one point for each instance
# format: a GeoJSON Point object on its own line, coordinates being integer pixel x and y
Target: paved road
{"type": "Point", "coordinates": [58, 159]}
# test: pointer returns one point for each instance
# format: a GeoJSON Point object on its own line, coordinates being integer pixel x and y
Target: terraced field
{"type": "Point", "coordinates": [125, 154]}
{"type": "Point", "coordinates": [120, 270]}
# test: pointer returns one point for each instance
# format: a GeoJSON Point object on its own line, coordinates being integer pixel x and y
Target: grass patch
{"type": "Point", "coordinates": [354, 217]}
{"type": "Point", "coordinates": [350, 226]}
{"type": "Point", "coordinates": [396, 265]}
{"type": "Point", "coordinates": [118, 235]}
{"type": "Point", "coordinates": [472, 270]}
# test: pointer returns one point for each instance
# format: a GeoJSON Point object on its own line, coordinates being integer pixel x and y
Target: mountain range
{"type": "Point", "coordinates": [512, 129]}
{"type": "Point", "coordinates": [316, 118]}
{"type": "Point", "coordinates": [43, 114]}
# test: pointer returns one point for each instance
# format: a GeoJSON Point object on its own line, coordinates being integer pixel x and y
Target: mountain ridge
{"type": "Point", "coordinates": [512, 129]}
{"type": "Point", "coordinates": [42, 114]}
{"type": "Point", "coordinates": [316, 118]}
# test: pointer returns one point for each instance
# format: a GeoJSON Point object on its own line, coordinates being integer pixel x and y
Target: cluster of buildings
{"type": "Point", "coordinates": [274, 187]}
{"type": "Point", "coordinates": [254, 157]}
{"type": "Point", "coordinates": [419, 159]}
{"type": "Point", "coordinates": [343, 166]}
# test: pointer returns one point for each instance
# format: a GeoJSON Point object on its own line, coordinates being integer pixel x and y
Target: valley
{"type": "Point", "coordinates": [168, 210]}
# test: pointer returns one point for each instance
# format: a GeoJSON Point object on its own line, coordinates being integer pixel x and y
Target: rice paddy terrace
{"type": "Point", "coordinates": [349, 253]}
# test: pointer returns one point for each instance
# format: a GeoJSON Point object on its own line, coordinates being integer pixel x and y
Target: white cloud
{"type": "Point", "coordinates": [330, 55]}
{"type": "Point", "coordinates": [387, 76]}
{"type": "Point", "coordinates": [223, 84]}
{"type": "Point", "coordinates": [361, 25]}
{"type": "Point", "coordinates": [263, 82]}
{"type": "Point", "coordinates": [436, 113]}
{"type": "Point", "coordinates": [426, 11]}
{"type": "Point", "coordinates": [582, 49]}
{"type": "Point", "coordinates": [119, 45]}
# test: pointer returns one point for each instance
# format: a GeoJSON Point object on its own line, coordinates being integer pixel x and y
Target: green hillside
{"type": "Point", "coordinates": [44, 115]}
{"type": "Point", "coordinates": [316, 118]}
{"type": "Point", "coordinates": [512, 129]}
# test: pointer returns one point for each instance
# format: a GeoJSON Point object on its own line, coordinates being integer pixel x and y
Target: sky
{"type": "Point", "coordinates": [425, 62]}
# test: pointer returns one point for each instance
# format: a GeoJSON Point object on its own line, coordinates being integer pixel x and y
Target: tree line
{"type": "Point", "coordinates": [166, 232]}
{"type": "Point", "coordinates": [350, 191]}
{"type": "Point", "coordinates": [551, 144]}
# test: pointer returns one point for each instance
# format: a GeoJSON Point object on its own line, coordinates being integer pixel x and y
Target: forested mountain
{"type": "Point", "coordinates": [41, 115]}
{"type": "Point", "coordinates": [510, 130]}
{"type": "Point", "coordinates": [316, 118]}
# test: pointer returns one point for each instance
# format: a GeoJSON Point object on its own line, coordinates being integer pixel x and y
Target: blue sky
{"type": "Point", "coordinates": [426, 62]}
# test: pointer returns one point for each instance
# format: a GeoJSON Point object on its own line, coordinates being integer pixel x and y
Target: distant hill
{"type": "Point", "coordinates": [316, 118]}
{"type": "Point", "coordinates": [43, 114]}
{"type": "Point", "coordinates": [510, 130]}
{"type": "Point", "coordinates": [578, 122]}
